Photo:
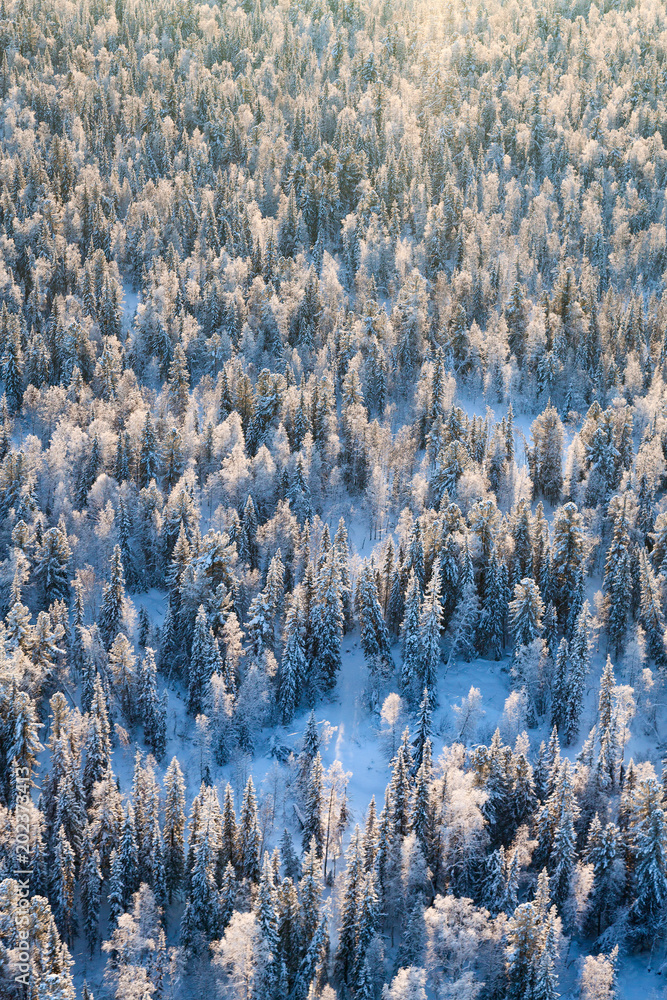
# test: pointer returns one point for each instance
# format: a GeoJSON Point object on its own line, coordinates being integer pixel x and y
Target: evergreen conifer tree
{"type": "Point", "coordinates": [204, 661]}
{"type": "Point", "coordinates": [174, 828]}
{"type": "Point", "coordinates": [90, 887]}
{"type": "Point", "coordinates": [650, 852]}
{"type": "Point", "coordinates": [526, 611]}
{"type": "Point", "coordinates": [249, 835]}
{"type": "Point", "coordinates": [430, 625]}
{"type": "Point", "coordinates": [113, 601]}
{"type": "Point", "coordinates": [374, 635]}
{"type": "Point", "coordinates": [410, 639]}
{"type": "Point", "coordinates": [293, 666]}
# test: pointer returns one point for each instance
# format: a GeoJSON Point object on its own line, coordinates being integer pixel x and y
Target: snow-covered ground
{"type": "Point", "coordinates": [130, 303]}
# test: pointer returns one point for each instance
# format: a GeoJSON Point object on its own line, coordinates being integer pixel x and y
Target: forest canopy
{"type": "Point", "coordinates": [333, 351]}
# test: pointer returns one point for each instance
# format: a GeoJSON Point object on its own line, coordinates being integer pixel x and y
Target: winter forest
{"type": "Point", "coordinates": [333, 499]}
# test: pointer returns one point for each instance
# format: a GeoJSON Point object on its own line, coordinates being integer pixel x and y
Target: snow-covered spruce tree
{"type": "Point", "coordinates": [342, 555]}
{"type": "Point", "coordinates": [312, 829]}
{"type": "Point", "coordinates": [249, 835]}
{"type": "Point", "coordinates": [494, 607]}
{"type": "Point", "coordinates": [90, 882]}
{"type": "Point", "coordinates": [293, 665]}
{"type": "Point", "coordinates": [122, 666]}
{"type": "Point", "coordinates": [346, 952]}
{"type": "Point", "coordinates": [617, 583]}
{"type": "Point", "coordinates": [603, 852]}
{"type": "Point", "coordinates": [579, 667]}
{"type": "Point", "coordinates": [410, 641]}
{"type": "Point", "coordinates": [651, 615]}
{"type": "Point", "coordinates": [374, 634]}
{"type": "Point", "coordinates": [423, 732]}
{"type": "Point", "coordinates": [328, 620]}
{"type": "Point", "coordinates": [564, 810]}
{"type": "Point", "coordinates": [462, 633]}
{"type": "Point", "coordinates": [525, 613]}
{"type": "Point", "coordinates": [567, 555]}
{"type": "Point", "coordinates": [63, 887]}
{"type": "Point", "coordinates": [430, 628]}
{"type": "Point", "coordinates": [112, 608]}
{"type": "Point", "coordinates": [531, 951]}
{"type": "Point", "coordinates": [259, 626]}
{"type": "Point", "coordinates": [51, 566]}
{"type": "Point", "coordinates": [174, 828]}
{"type": "Point", "coordinates": [204, 661]}
{"type": "Point", "coordinates": [560, 696]}
{"type": "Point", "coordinates": [148, 464]}
{"type": "Point", "coordinates": [229, 844]}
{"type": "Point", "coordinates": [200, 923]}
{"type": "Point", "coordinates": [546, 455]}
{"type": "Point", "coordinates": [12, 364]}
{"type": "Point", "coordinates": [649, 847]}
{"type": "Point", "coordinates": [151, 707]}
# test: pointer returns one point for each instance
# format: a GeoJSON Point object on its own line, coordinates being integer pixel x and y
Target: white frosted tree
{"type": "Point", "coordinates": [241, 957]}
{"type": "Point", "coordinates": [407, 984]}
